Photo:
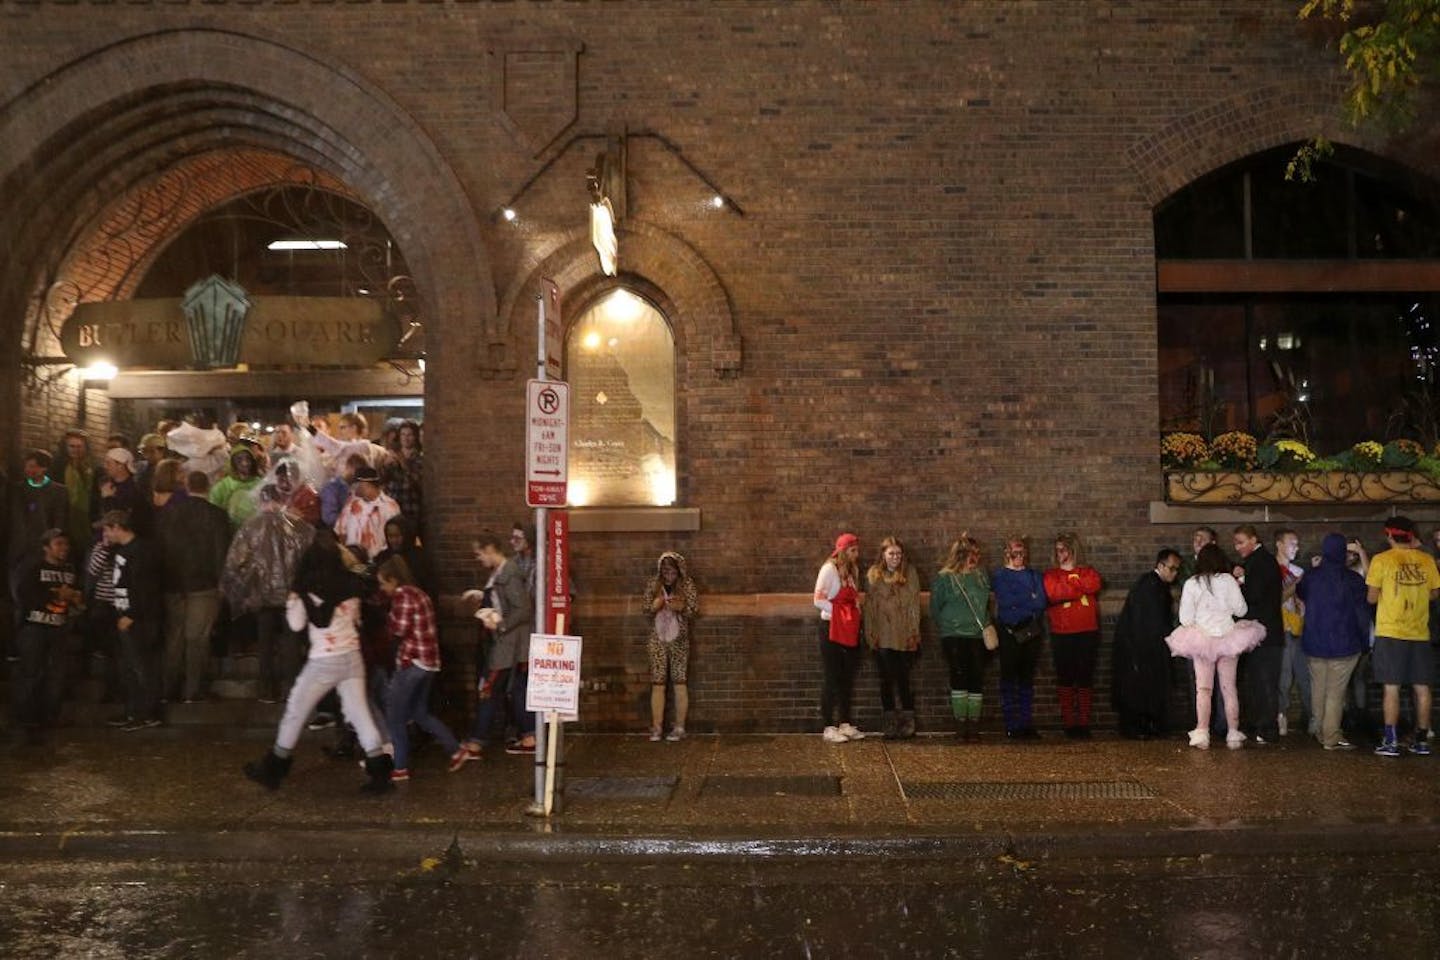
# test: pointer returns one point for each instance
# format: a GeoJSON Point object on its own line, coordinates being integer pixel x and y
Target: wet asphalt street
{"type": "Point", "coordinates": [1224, 908]}
{"type": "Point", "coordinates": [154, 846]}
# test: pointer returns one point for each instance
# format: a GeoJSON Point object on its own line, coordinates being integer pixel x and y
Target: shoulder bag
{"type": "Point", "coordinates": [988, 633]}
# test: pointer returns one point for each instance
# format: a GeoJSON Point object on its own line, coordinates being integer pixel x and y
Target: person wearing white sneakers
{"type": "Point", "coordinates": [1211, 636]}
{"type": "Point", "coordinates": [837, 596]}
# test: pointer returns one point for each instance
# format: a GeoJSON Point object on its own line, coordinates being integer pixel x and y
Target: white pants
{"type": "Point", "coordinates": [345, 674]}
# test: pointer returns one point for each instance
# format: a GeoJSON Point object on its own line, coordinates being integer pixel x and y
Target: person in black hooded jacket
{"type": "Point", "coordinates": [1337, 629]}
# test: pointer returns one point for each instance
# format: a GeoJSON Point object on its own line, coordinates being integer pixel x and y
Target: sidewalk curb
{"type": "Point", "coordinates": [410, 845]}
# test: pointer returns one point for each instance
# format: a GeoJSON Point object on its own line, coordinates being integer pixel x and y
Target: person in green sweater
{"type": "Point", "coordinates": [235, 492]}
{"type": "Point", "coordinates": [960, 609]}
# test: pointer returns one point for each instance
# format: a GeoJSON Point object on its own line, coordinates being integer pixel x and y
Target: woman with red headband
{"type": "Point", "coordinates": [837, 595]}
{"type": "Point", "coordinates": [1073, 590]}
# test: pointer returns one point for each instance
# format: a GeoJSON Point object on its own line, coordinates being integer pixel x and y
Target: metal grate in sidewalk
{"type": "Point", "coordinates": [1053, 790]}
{"type": "Point", "coordinates": [620, 788]}
{"type": "Point", "coordinates": [769, 786]}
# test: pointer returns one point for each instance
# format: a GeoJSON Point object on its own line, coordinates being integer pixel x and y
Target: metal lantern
{"type": "Point", "coordinates": [215, 312]}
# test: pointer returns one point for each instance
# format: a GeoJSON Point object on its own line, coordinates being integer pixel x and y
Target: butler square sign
{"type": "Point", "coordinates": [216, 324]}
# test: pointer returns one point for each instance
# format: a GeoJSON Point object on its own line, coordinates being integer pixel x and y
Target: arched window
{"type": "Point", "coordinates": [620, 362]}
{"type": "Point", "coordinates": [1301, 308]}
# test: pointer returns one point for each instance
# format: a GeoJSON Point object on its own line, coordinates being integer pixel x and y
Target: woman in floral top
{"type": "Point", "coordinates": [891, 613]}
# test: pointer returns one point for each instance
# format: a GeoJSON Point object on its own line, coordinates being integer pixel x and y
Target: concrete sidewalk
{"type": "Point", "coordinates": [178, 791]}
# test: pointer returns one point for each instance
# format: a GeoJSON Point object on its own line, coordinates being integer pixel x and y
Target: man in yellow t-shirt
{"type": "Point", "coordinates": [1402, 581]}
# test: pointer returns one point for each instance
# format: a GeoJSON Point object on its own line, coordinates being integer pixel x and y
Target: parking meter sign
{"type": "Point", "coordinates": [547, 443]}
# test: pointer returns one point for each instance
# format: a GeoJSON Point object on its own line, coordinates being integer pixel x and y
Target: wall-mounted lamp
{"type": "Point", "coordinates": [615, 151]}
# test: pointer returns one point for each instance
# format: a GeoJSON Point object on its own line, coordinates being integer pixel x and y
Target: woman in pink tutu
{"type": "Point", "coordinates": [1210, 635]}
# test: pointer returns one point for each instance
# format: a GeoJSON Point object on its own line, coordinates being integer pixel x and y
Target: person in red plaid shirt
{"type": "Point", "coordinates": [417, 663]}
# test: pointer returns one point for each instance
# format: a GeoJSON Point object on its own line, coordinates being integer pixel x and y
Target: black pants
{"type": "Point", "coordinates": [894, 667]}
{"type": "Point", "coordinates": [140, 649]}
{"type": "Point", "coordinates": [966, 658]}
{"type": "Point", "coordinates": [1018, 660]}
{"type": "Point", "coordinates": [1260, 686]}
{"type": "Point", "coordinates": [1075, 655]}
{"type": "Point", "coordinates": [280, 653]}
{"type": "Point", "coordinates": [38, 675]}
{"type": "Point", "coordinates": [839, 664]}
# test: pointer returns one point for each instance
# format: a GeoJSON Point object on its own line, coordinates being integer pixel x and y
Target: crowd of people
{"type": "Point", "coordinates": [295, 543]}
{"type": "Point", "coordinates": [1262, 624]}
{"type": "Point", "coordinates": [301, 544]}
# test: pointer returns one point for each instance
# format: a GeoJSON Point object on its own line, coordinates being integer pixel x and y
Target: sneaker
{"type": "Point", "coordinates": [119, 723]}
{"type": "Point", "coordinates": [833, 735]}
{"type": "Point", "coordinates": [1388, 748]}
{"type": "Point", "coordinates": [656, 735]}
{"type": "Point", "coordinates": [1235, 739]}
{"type": "Point", "coordinates": [137, 725]}
{"type": "Point", "coordinates": [473, 750]}
{"type": "Point", "coordinates": [1260, 741]}
{"type": "Point", "coordinates": [1283, 723]}
{"type": "Point", "coordinates": [399, 775]}
{"type": "Point", "coordinates": [458, 759]}
{"type": "Point", "coordinates": [1340, 745]}
{"type": "Point", "coordinates": [1200, 739]}
{"type": "Point", "coordinates": [522, 747]}
{"type": "Point", "coordinates": [152, 722]}
{"type": "Point", "coordinates": [1420, 748]}
{"type": "Point", "coordinates": [676, 735]}
{"type": "Point", "coordinates": [321, 721]}
{"type": "Point", "coordinates": [850, 732]}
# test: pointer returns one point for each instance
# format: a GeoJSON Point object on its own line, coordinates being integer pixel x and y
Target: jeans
{"type": "Point", "coordinates": [1260, 674]}
{"type": "Point", "coordinates": [894, 667]}
{"type": "Point", "coordinates": [279, 650]}
{"type": "Point", "coordinates": [344, 674]}
{"type": "Point", "coordinates": [408, 699]}
{"type": "Point", "coordinates": [838, 682]}
{"type": "Point", "coordinates": [519, 687]}
{"type": "Point", "coordinates": [486, 709]}
{"type": "Point", "coordinates": [38, 675]}
{"type": "Point", "coordinates": [189, 618]}
{"type": "Point", "coordinates": [1293, 670]}
{"type": "Point", "coordinates": [1329, 678]}
{"type": "Point", "coordinates": [140, 669]}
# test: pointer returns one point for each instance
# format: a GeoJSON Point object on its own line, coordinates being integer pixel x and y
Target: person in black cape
{"type": "Point", "coordinates": [1140, 680]}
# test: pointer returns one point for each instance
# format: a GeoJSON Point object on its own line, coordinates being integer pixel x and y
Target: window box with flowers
{"type": "Point", "coordinates": [1235, 468]}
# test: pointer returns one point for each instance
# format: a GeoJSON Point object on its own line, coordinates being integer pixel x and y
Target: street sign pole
{"type": "Point", "coordinates": [544, 751]}
{"type": "Point", "coordinates": [552, 465]}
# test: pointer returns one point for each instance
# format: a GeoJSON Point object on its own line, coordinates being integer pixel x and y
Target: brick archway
{"type": "Point", "coordinates": [697, 303]}
{"type": "Point", "coordinates": [127, 112]}
{"type": "Point", "coordinates": [1248, 122]}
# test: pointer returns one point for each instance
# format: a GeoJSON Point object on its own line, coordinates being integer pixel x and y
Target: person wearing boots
{"type": "Point", "coordinates": [325, 602]}
{"type": "Point", "coordinates": [891, 614]}
{"type": "Point", "coordinates": [1020, 617]}
{"type": "Point", "coordinates": [1073, 590]}
{"type": "Point", "coordinates": [960, 610]}
{"type": "Point", "coordinates": [671, 602]}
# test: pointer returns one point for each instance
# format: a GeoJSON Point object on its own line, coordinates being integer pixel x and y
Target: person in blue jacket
{"type": "Point", "coordinates": [1020, 619]}
{"type": "Point", "coordinates": [1337, 626]}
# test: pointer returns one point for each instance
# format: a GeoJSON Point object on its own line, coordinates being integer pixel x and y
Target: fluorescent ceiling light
{"type": "Point", "coordinates": [307, 245]}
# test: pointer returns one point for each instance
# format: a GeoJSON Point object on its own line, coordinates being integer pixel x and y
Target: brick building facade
{"type": "Point", "coordinates": [928, 307]}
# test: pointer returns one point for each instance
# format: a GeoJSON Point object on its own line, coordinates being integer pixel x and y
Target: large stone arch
{"type": "Point", "coordinates": [1248, 122]}
{"type": "Point", "coordinates": [125, 112]}
{"type": "Point", "coordinates": [696, 300]}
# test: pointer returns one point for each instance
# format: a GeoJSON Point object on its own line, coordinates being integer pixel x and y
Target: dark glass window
{"type": "Point", "coordinates": [1337, 366]}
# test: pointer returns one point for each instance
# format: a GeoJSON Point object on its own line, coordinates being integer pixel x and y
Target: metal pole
{"type": "Point", "coordinates": [541, 756]}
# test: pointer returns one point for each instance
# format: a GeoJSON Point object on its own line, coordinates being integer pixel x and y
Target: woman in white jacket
{"type": "Point", "coordinates": [1210, 635]}
{"type": "Point", "coordinates": [325, 601]}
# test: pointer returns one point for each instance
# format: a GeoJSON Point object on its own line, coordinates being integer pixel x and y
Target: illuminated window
{"type": "Point", "coordinates": [620, 361]}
